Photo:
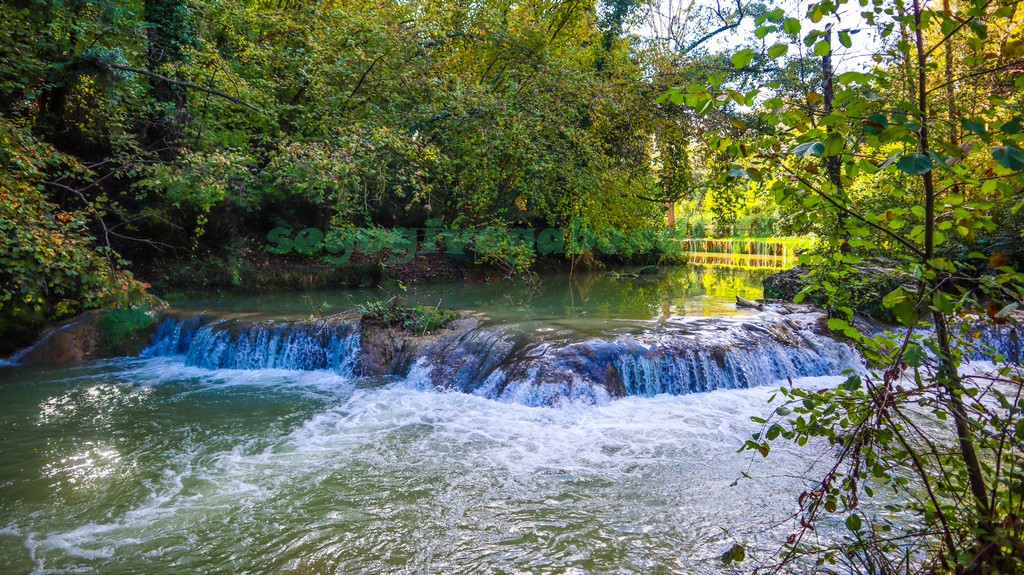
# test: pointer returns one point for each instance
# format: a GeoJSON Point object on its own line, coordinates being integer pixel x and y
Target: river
{"type": "Point", "coordinates": [160, 465]}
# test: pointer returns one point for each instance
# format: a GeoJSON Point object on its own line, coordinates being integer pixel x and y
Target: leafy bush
{"type": "Point", "coordinates": [50, 265]}
{"type": "Point", "coordinates": [418, 319]}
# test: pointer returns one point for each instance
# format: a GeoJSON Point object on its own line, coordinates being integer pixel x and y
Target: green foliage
{"type": "Point", "coordinates": [843, 290]}
{"type": "Point", "coordinates": [907, 160]}
{"type": "Point", "coordinates": [121, 328]}
{"type": "Point", "coordinates": [217, 120]}
{"type": "Point", "coordinates": [418, 320]}
{"type": "Point", "coordinates": [49, 267]}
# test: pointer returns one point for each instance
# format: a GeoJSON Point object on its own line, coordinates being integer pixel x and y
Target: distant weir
{"type": "Point", "coordinates": [772, 253]}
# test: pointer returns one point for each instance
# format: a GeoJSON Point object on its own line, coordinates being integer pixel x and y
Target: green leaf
{"type": "Point", "coordinates": [844, 39]}
{"type": "Point", "coordinates": [791, 26]}
{"type": "Point", "coordinates": [742, 58]}
{"type": "Point", "coordinates": [914, 164]}
{"type": "Point", "coordinates": [1011, 127]}
{"type": "Point", "coordinates": [852, 384]}
{"type": "Point", "coordinates": [837, 324]}
{"type": "Point", "coordinates": [914, 355]}
{"type": "Point", "coordinates": [778, 50]}
{"type": "Point", "coordinates": [875, 124]}
{"type": "Point", "coordinates": [822, 48]}
{"type": "Point", "coordinates": [834, 145]}
{"type": "Point", "coordinates": [943, 303]}
{"type": "Point", "coordinates": [1008, 157]}
{"type": "Point", "coordinates": [853, 523]}
{"type": "Point", "coordinates": [980, 30]}
{"type": "Point", "coordinates": [972, 126]}
{"type": "Point", "coordinates": [808, 149]}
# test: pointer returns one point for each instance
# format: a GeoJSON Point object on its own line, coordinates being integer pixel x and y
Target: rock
{"type": "Point", "coordinates": [784, 285]}
{"type": "Point", "coordinates": [379, 345]}
{"type": "Point", "coordinates": [94, 334]}
{"type": "Point", "coordinates": [388, 348]}
{"type": "Point", "coordinates": [862, 291]}
{"type": "Point", "coordinates": [73, 341]}
{"type": "Point", "coordinates": [649, 270]}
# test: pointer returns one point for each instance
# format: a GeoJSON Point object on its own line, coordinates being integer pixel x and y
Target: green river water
{"type": "Point", "coordinates": [147, 465]}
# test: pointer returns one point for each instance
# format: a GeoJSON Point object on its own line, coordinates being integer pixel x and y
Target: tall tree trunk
{"type": "Point", "coordinates": [833, 164]}
{"type": "Point", "coordinates": [949, 376]}
{"type": "Point", "coordinates": [167, 28]}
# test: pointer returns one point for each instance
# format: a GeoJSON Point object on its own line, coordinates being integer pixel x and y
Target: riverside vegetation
{"type": "Point", "coordinates": [143, 140]}
{"type": "Point", "coordinates": [934, 129]}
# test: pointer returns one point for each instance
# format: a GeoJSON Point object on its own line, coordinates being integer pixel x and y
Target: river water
{"type": "Point", "coordinates": [159, 465]}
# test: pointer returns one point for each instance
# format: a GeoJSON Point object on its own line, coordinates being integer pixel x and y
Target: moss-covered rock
{"type": "Point", "coordinates": [388, 332]}
{"type": "Point", "coordinates": [95, 334]}
{"type": "Point", "coordinates": [784, 285]}
{"type": "Point", "coordinates": [418, 320]}
{"type": "Point", "coordinates": [124, 332]}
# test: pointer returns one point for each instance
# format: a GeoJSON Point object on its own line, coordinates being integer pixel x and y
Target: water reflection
{"type": "Point", "coordinates": [743, 260]}
{"type": "Point", "coordinates": [619, 294]}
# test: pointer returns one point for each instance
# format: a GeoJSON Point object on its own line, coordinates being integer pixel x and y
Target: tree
{"type": "Point", "coordinates": [965, 489]}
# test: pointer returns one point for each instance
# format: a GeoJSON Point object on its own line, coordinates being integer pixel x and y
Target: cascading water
{"type": "Point", "coordinates": [532, 367]}
{"type": "Point", "coordinates": [675, 358]}
{"type": "Point", "coordinates": [229, 344]}
{"type": "Point", "coordinates": [248, 446]}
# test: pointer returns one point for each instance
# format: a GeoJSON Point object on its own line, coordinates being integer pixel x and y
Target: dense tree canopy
{"type": "Point", "coordinates": [141, 133]}
{"type": "Point", "coordinates": [187, 127]}
{"type": "Point", "coordinates": [181, 129]}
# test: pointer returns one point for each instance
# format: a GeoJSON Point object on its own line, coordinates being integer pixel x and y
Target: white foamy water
{"type": "Point", "coordinates": [155, 467]}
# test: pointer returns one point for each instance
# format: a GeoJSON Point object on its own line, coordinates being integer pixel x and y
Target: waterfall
{"type": "Point", "coordinates": [697, 370]}
{"type": "Point", "coordinates": [228, 344]}
{"type": "Point", "coordinates": [536, 367]}
{"type": "Point", "coordinates": [690, 357]}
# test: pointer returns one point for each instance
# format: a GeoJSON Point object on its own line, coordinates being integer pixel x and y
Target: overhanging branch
{"type": "Point", "coordinates": [203, 89]}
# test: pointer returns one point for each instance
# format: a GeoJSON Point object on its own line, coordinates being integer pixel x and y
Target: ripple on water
{"type": "Point", "coordinates": [320, 476]}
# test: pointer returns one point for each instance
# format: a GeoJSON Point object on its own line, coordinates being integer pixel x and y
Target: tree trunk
{"type": "Point", "coordinates": [833, 164]}
{"type": "Point", "coordinates": [949, 377]}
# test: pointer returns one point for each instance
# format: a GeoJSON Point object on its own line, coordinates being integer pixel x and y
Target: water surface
{"type": "Point", "coordinates": [620, 294]}
{"type": "Point", "coordinates": [148, 466]}
{"type": "Point", "coordinates": [152, 465]}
